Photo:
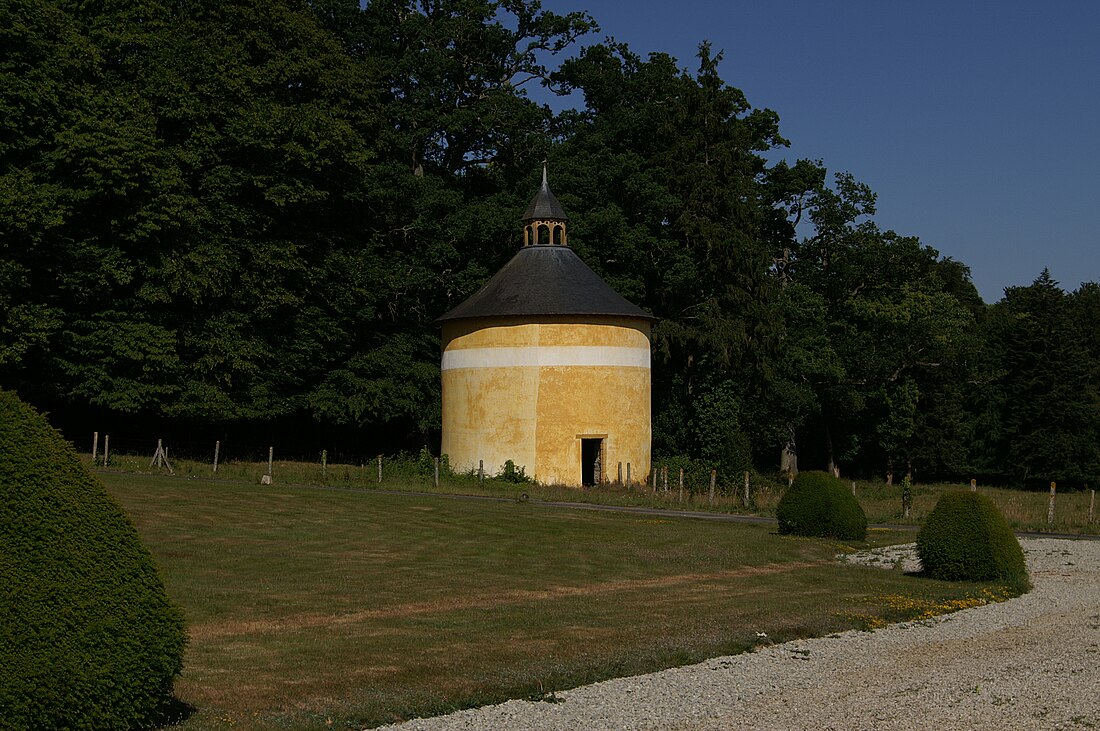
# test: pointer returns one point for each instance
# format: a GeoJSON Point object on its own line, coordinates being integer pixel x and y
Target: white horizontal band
{"type": "Point", "coordinates": [532, 356]}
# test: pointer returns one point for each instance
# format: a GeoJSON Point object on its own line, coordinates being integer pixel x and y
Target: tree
{"type": "Point", "coordinates": [236, 211]}
{"type": "Point", "coordinates": [457, 156]}
{"type": "Point", "coordinates": [1050, 407]}
{"type": "Point", "coordinates": [455, 71]}
{"type": "Point", "coordinates": [671, 206]}
{"type": "Point", "coordinates": [890, 329]}
{"type": "Point", "coordinates": [206, 163]}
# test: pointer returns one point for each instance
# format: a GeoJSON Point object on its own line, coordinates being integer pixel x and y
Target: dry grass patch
{"type": "Point", "coordinates": [1024, 510]}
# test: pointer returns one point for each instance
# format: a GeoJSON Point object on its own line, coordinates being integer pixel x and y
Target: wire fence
{"type": "Point", "coordinates": [672, 482]}
{"type": "Point", "coordinates": [226, 451]}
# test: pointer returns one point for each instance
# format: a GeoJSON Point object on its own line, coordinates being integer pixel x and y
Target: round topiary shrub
{"type": "Point", "coordinates": [818, 504]}
{"type": "Point", "coordinates": [965, 538]}
{"type": "Point", "coordinates": [88, 637]}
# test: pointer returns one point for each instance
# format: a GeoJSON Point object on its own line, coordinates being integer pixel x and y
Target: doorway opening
{"type": "Point", "coordinates": [591, 461]}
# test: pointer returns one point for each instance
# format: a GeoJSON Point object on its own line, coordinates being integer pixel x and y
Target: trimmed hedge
{"type": "Point", "coordinates": [965, 538]}
{"type": "Point", "coordinates": [88, 636]}
{"type": "Point", "coordinates": [818, 504]}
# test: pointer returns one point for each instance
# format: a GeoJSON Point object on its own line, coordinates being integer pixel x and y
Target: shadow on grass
{"type": "Point", "coordinates": [174, 712]}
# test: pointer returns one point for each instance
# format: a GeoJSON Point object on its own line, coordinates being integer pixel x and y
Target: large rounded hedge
{"type": "Point", "coordinates": [818, 504]}
{"type": "Point", "coordinates": [965, 538]}
{"type": "Point", "coordinates": [88, 637]}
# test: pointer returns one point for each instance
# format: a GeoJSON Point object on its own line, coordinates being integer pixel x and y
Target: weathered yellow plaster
{"type": "Point", "coordinates": [543, 330]}
{"type": "Point", "coordinates": [537, 415]}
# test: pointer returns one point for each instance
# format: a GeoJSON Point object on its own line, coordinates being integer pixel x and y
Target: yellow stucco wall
{"type": "Point", "coordinates": [529, 390]}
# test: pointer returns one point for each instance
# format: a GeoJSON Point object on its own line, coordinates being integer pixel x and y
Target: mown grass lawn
{"type": "Point", "coordinates": [312, 609]}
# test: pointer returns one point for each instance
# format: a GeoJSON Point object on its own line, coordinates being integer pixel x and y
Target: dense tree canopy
{"type": "Point", "coordinates": [226, 212]}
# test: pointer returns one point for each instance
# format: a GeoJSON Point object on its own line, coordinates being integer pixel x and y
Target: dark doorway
{"type": "Point", "coordinates": [591, 462]}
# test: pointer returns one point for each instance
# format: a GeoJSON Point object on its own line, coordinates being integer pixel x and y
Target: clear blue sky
{"type": "Point", "coordinates": [977, 123]}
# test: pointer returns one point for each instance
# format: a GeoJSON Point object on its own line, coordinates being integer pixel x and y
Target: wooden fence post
{"type": "Point", "coordinates": [217, 450]}
{"type": "Point", "coordinates": [1092, 504]}
{"type": "Point", "coordinates": [853, 488]}
{"type": "Point", "coordinates": [664, 477]}
{"type": "Point", "coordinates": [906, 496]}
{"type": "Point", "coordinates": [681, 484]}
{"type": "Point", "coordinates": [106, 447]}
{"type": "Point", "coordinates": [746, 488]}
{"type": "Point", "coordinates": [379, 469]}
{"type": "Point", "coordinates": [95, 446]}
{"type": "Point", "coordinates": [713, 480]}
{"type": "Point", "coordinates": [1050, 508]}
{"type": "Point", "coordinates": [620, 479]}
{"type": "Point", "coordinates": [160, 457]}
{"type": "Point", "coordinates": [629, 482]}
{"type": "Point", "coordinates": [437, 471]}
{"type": "Point", "coordinates": [324, 465]}
{"type": "Point", "coordinates": [270, 461]}
{"type": "Point", "coordinates": [481, 471]}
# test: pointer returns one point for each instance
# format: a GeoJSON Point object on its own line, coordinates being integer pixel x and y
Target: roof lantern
{"type": "Point", "coordinates": [544, 220]}
{"type": "Point", "coordinates": [545, 277]}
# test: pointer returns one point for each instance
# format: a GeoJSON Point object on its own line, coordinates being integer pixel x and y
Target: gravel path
{"type": "Point", "coordinates": [1028, 663]}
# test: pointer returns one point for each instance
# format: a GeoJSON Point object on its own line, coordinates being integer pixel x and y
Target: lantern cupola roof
{"type": "Point", "coordinates": [544, 206]}
{"type": "Point", "coordinates": [545, 277]}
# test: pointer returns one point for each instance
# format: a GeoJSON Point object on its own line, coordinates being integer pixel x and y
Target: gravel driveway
{"type": "Point", "coordinates": [1028, 663]}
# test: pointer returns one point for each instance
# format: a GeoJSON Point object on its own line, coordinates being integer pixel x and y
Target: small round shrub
{"type": "Point", "coordinates": [965, 538]}
{"type": "Point", "coordinates": [88, 636]}
{"type": "Point", "coordinates": [818, 504]}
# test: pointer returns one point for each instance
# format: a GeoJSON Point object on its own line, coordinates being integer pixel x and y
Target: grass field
{"type": "Point", "coordinates": [313, 609]}
{"type": "Point", "coordinates": [1024, 510]}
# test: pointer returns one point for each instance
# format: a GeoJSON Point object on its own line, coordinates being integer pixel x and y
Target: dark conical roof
{"type": "Point", "coordinates": [545, 280]}
{"type": "Point", "coordinates": [544, 205]}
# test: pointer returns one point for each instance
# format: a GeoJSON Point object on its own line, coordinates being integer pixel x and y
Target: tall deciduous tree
{"type": "Point", "coordinates": [86, 189]}
{"type": "Point", "coordinates": [457, 154]}
{"type": "Point", "coordinates": [668, 186]}
{"type": "Point", "coordinates": [891, 325]}
{"type": "Point", "coordinates": [245, 210]}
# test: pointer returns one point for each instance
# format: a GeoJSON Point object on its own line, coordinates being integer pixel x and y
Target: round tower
{"type": "Point", "coordinates": [547, 366]}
